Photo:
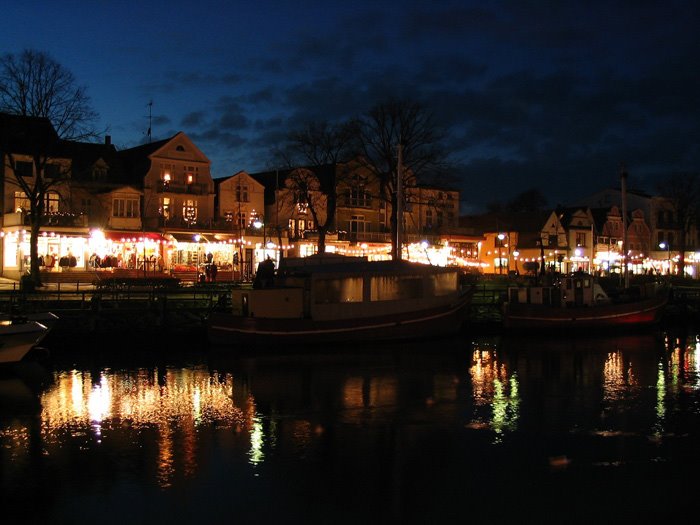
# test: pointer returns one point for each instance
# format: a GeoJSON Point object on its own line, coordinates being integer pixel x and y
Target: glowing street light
{"type": "Point", "coordinates": [667, 246]}
{"type": "Point", "coordinates": [501, 236]}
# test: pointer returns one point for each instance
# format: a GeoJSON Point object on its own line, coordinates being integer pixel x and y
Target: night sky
{"type": "Point", "coordinates": [541, 94]}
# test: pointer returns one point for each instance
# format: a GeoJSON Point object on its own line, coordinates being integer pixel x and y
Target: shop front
{"type": "Point", "coordinates": [58, 251]}
{"type": "Point", "coordinates": [128, 250]}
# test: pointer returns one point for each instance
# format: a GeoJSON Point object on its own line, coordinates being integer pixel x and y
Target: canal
{"type": "Point", "coordinates": [480, 427]}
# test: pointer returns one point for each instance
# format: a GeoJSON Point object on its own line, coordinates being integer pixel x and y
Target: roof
{"type": "Point", "coordinates": [23, 135]}
{"type": "Point", "coordinates": [338, 264]}
{"type": "Point", "coordinates": [503, 221]}
{"type": "Point", "coordinates": [277, 178]}
{"type": "Point", "coordinates": [85, 155]}
{"type": "Point", "coordinates": [135, 161]}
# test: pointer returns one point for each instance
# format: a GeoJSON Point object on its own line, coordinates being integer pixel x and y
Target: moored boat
{"type": "Point", "coordinates": [17, 339]}
{"type": "Point", "coordinates": [579, 302]}
{"type": "Point", "coordinates": [19, 334]}
{"type": "Point", "coordinates": [331, 298]}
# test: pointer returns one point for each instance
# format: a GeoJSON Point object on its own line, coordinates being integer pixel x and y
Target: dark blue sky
{"type": "Point", "coordinates": [548, 94]}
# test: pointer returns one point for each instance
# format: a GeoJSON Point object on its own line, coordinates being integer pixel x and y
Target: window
{"type": "Point", "coordinates": [166, 172]}
{"type": "Point", "coordinates": [242, 220]}
{"type": "Point", "coordinates": [439, 218]}
{"type": "Point", "coordinates": [330, 291]}
{"type": "Point", "coordinates": [189, 211]}
{"type": "Point", "coordinates": [165, 210]}
{"type": "Point", "coordinates": [190, 174]}
{"type": "Point", "coordinates": [357, 224]}
{"type": "Point", "coordinates": [51, 200]}
{"type": "Point", "coordinates": [228, 216]}
{"type": "Point", "coordinates": [429, 218]}
{"type": "Point", "coordinates": [99, 173]}
{"type": "Point", "coordinates": [358, 195]}
{"type": "Point", "coordinates": [24, 168]}
{"type": "Point", "coordinates": [127, 207]}
{"type": "Point", "coordinates": [21, 202]}
{"type": "Point", "coordinates": [396, 288]}
{"type": "Point", "coordinates": [580, 239]}
{"type": "Point", "coordinates": [51, 171]}
{"type": "Point", "coordinates": [242, 193]}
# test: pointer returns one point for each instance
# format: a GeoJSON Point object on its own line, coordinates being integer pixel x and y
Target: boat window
{"type": "Point", "coordinates": [443, 283]}
{"type": "Point", "coordinates": [348, 290]}
{"type": "Point", "coordinates": [394, 288]}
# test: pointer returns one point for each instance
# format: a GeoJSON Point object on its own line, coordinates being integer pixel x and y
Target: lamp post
{"type": "Point", "coordinates": [516, 254]}
{"type": "Point", "coordinates": [667, 246]}
{"type": "Point", "coordinates": [260, 223]}
{"type": "Point", "coordinates": [501, 236]}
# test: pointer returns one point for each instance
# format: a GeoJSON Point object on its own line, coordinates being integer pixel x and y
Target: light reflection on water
{"type": "Point", "coordinates": [366, 417]}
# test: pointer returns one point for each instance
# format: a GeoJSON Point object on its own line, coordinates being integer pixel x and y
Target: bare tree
{"type": "Point", "coordinates": [317, 145]}
{"type": "Point", "coordinates": [32, 84]}
{"type": "Point", "coordinates": [381, 131]}
{"type": "Point", "coordinates": [683, 193]}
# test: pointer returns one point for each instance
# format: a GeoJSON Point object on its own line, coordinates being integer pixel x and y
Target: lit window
{"type": "Point", "coordinates": [125, 207]}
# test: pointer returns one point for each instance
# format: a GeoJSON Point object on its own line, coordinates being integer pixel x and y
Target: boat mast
{"type": "Point", "coordinates": [623, 189]}
{"type": "Point", "coordinates": [399, 204]}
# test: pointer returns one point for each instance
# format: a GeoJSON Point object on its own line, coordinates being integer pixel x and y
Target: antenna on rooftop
{"type": "Point", "coordinates": [150, 119]}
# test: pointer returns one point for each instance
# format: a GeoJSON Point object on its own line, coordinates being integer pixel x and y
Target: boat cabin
{"type": "Point", "coordinates": [572, 290]}
{"type": "Point", "coordinates": [336, 287]}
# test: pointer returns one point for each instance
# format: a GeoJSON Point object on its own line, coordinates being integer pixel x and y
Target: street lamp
{"type": "Point", "coordinates": [516, 254]}
{"type": "Point", "coordinates": [259, 223]}
{"type": "Point", "coordinates": [501, 236]}
{"type": "Point", "coordinates": [667, 246]}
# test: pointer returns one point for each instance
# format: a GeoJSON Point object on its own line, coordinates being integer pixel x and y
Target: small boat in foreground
{"type": "Point", "coordinates": [20, 333]}
{"type": "Point", "coordinates": [578, 301]}
{"type": "Point", "coordinates": [331, 298]}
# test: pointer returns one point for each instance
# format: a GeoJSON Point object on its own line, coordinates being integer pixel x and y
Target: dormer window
{"type": "Point", "coordinates": [180, 148]}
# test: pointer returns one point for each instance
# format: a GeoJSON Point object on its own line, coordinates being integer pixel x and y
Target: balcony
{"type": "Point", "coordinates": [196, 188]}
{"type": "Point", "coordinates": [66, 220]}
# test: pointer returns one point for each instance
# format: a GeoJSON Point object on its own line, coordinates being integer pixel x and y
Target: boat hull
{"type": "Point", "coordinates": [226, 328]}
{"type": "Point", "coordinates": [18, 339]}
{"type": "Point", "coordinates": [615, 315]}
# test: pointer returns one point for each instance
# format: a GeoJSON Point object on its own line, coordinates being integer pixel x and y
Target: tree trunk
{"type": "Point", "coordinates": [34, 272]}
{"type": "Point", "coordinates": [321, 240]}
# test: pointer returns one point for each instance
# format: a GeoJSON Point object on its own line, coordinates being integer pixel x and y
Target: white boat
{"type": "Point", "coordinates": [19, 334]}
{"type": "Point", "coordinates": [332, 298]}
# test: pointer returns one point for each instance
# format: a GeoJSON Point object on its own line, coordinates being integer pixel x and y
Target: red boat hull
{"type": "Point", "coordinates": [644, 312]}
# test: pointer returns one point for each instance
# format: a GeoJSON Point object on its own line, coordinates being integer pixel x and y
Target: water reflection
{"type": "Point", "coordinates": [495, 389]}
{"type": "Point", "coordinates": [172, 403]}
{"type": "Point", "coordinates": [397, 427]}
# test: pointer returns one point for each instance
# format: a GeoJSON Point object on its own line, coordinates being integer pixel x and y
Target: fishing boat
{"type": "Point", "coordinates": [578, 301]}
{"type": "Point", "coordinates": [332, 298]}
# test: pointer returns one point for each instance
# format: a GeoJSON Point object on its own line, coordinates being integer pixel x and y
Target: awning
{"type": "Point", "coordinates": [132, 236]}
{"type": "Point", "coordinates": [194, 237]}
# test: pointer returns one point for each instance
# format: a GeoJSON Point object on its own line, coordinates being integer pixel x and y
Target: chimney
{"type": "Point", "coordinates": [108, 140]}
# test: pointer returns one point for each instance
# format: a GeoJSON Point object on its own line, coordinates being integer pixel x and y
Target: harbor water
{"type": "Point", "coordinates": [478, 427]}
